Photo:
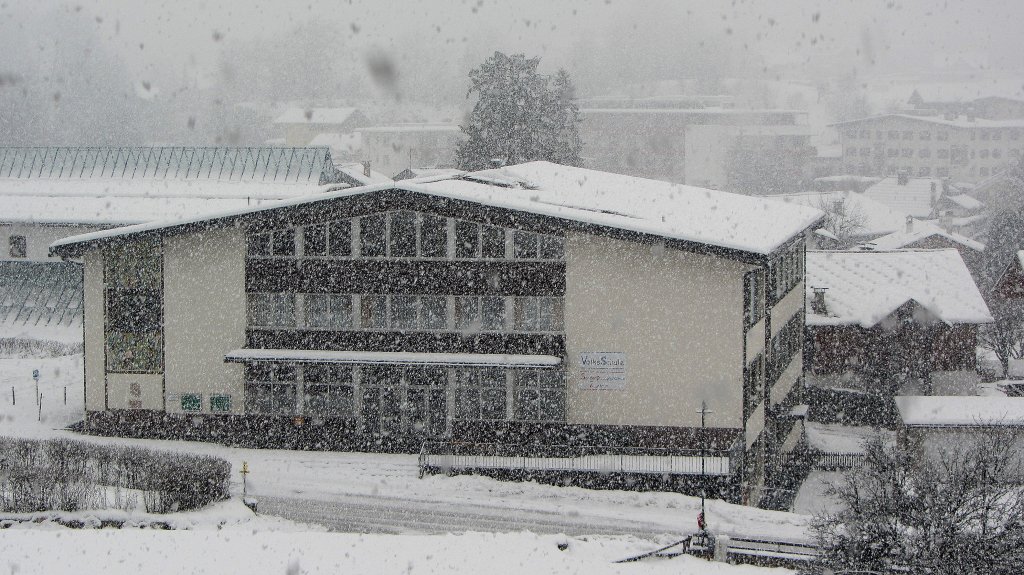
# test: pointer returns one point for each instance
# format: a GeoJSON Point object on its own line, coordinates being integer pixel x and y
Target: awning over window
{"type": "Point", "coordinates": [390, 358]}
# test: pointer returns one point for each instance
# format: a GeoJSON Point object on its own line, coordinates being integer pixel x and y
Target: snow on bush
{"type": "Point", "coordinates": [68, 475]}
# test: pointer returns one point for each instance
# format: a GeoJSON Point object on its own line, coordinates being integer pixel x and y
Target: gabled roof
{"type": "Point", "coordinates": [873, 217]}
{"type": "Point", "coordinates": [965, 201]}
{"type": "Point", "coordinates": [961, 411]}
{"type": "Point", "coordinates": [865, 287]}
{"type": "Point", "coordinates": [914, 198]}
{"type": "Point", "coordinates": [355, 174]}
{"type": "Point", "coordinates": [735, 222]}
{"type": "Point", "coordinates": [922, 231]}
{"type": "Point", "coordinates": [315, 116]}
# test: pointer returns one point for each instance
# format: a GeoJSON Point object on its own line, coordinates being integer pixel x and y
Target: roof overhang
{"type": "Point", "coordinates": [390, 358]}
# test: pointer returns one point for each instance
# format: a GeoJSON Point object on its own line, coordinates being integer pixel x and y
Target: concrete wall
{"type": "Point", "coordinates": [204, 315]}
{"type": "Point", "coordinates": [787, 307]}
{"type": "Point", "coordinates": [37, 238]}
{"type": "Point", "coordinates": [677, 316]}
{"type": "Point", "coordinates": [95, 371]}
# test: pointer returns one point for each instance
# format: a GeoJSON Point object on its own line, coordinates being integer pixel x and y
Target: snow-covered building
{"type": "Point", "coordinates": [47, 193]}
{"type": "Point", "coordinates": [540, 307]}
{"type": "Point", "coordinates": [850, 218]}
{"type": "Point", "coordinates": [302, 125]}
{"type": "Point", "coordinates": [964, 148]}
{"type": "Point", "coordinates": [941, 422]}
{"type": "Point", "coordinates": [892, 319]}
{"type": "Point", "coordinates": [927, 235]}
{"type": "Point", "coordinates": [393, 148]}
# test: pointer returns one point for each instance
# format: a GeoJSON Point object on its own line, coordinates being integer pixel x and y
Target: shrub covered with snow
{"type": "Point", "coordinates": [68, 475]}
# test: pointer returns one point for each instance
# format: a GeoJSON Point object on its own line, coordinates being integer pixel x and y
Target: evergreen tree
{"type": "Point", "coordinates": [520, 115]}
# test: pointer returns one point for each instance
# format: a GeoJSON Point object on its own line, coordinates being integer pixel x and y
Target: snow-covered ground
{"type": "Point", "coordinates": [375, 496]}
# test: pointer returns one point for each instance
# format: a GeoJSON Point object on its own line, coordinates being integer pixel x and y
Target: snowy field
{"type": "Point", "coordinates": [385, 518]}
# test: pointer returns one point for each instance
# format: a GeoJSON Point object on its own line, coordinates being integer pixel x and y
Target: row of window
{"type": "Point", "coordinates": [406, 234]}
{"type": "Point", "coordinates": [923, 171]}
{"type": "Point", "coordinates": [787, 270]}
{"type": "Point", "coordinates": [941, 136]}
{"type": "Point", "coordinates": [134, 303]}
{"type": "Point", "coordinates": [753, 385]}
{"type": "Point", "coordinates": [942, 153]}
{"type": "Point", "coordinates": [393, 399]}
{"type": "Point", "coordinates": [753, 297]}
{"type": "Point", "coordinates": [406, 312]}
{"type": "Point", "coordinates": [785, 345]}
{"type": "Point", "coordinates": [219, 403]}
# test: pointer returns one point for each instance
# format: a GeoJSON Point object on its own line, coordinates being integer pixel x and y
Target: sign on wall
{"type": "Point", "coordinates": [602, 370]}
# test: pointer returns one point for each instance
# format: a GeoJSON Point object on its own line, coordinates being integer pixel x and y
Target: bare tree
{"type": "Point", "coordinates": [1005, 338]}
{"type": "Point", "coordinates": [912, 505]}
{"type": "Point", "coordinates": [843, 219]}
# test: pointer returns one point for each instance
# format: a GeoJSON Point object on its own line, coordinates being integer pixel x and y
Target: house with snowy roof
{"type": "Point", "coordinates": [938, 422]}
{"type": "Point", "coordinates": [302, 125]}
{"type": "Point", "coordinates": [890, 320]}
{"type": "Point", "coordinates": [51, 192]}
{"type": "Point", "coordinates": [927, 235]}
{"type": "Point", "coordinates": [851, 218]}
{"type": "Point", "coordinates": [538, 309]}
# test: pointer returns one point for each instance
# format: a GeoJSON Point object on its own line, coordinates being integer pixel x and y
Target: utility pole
{"type": "Point", "coordinates": [703, 411]}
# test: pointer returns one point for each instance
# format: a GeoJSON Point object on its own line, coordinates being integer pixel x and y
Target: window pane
{"type": "Point", "coordinates": [314, 240]}
{"type": "Point", "coordinates": [552, 247]}
{"type": "Point", "coordinates": [526, 313]}
{"type": "Point", "coordinates": [318, 310]}
{"type": "Point", "coordinates": [403, 311]}
{"type": "Point", "coordinates": [403, 235]}
{"type": "Point", "coordinates": [492, 403]}
{"type": "Point", "coordinates": [371, 235]}
{"type": "Point", "coordinates": [467, 313]}
{"type": "Point", "coordinates": [550, 314]}
{"type": "Point", "coordinates": [492, 242]}
{"type": "Point", "coordinates": [467, 239]}
{"type": "Point", "coordinates": [524, 245]}
{"type": "Point", "coordinates": [552, 405]}
{"type": "Point", "coordinates": [287, 373]}
{"type": "Point", "coordinates": [492, 313]}
{"type": "Point", "coordinates": [340, 243]}
{"type": "Point", "coordinates": [284, 243]}
{"type": "Point", "coordinates": [259, 245]}
{"type": "Point", "coordinates": [283, 310]}
{"type": "Point", "coordinates": [526, 404]}
{"type": "Point", "coordinates": [434, 312]}
{"type": "Point", "coordinates": [434, 237]}
{"type": "Point", "coordinates": [373, 311]}
{"type": "Point", "coordinates": [467, 402]}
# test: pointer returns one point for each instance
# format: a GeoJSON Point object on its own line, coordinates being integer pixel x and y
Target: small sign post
{"type": "Point", "coordinates": [35, 377]}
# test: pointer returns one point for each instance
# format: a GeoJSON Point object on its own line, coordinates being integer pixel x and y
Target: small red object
{"type": "Point", "coordinates": [700, 521]}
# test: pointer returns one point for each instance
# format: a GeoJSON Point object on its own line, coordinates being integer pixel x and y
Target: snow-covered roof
{"type": "Point", "coordinates": [746, 223]}
{"type": "Point", "coordinates": [873, 217]}
{"type": "Point", "coordinates": [958, 122]}
{"type": "Point", "coordinates": [915, 198]}
{"type": "Point", "coordinates": [919, 232]}
{"type": "Point", "coordinates": [347, 143]}
{"type": "Point", "coordinates": [414, 127]}
{"type": "Point", "coordinates": [357, 173]}
{"type": "Point", "coordinates": [41, 300]}
{"type": "Point", "coordinates": [415, 174]}
{"type": "Point", "coordinates": [865, 287]}
{"type": "Point", "coordinates": [392, 357]}
{"type": "Point", "coordinates": [733, 221]}
{"type": "Point", "coordinates": [958, 411]}
{"type": "Point", "coordinates": [315, 116]}
{"type": "Point", "coordinates": [112, 211]}
{"type": "Point", "coordinates": [966, 202]}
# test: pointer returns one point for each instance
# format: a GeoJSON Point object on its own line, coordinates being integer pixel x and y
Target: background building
{"type": "Point", "coordinates": [392, 149]}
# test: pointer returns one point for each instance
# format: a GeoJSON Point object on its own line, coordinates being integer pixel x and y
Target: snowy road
{"type": "Point", "coordinates": [402, 516]}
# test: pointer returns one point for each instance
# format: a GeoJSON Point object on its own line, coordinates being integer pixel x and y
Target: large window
{"type": "Point", "coordinates": [330, 239]}
{"type": "Point", "coordinates": [474, 240]}
{"type": "Point", "coordinates": [328, 391]}
{"type": "Point", "coordinates": [272, 243]}
{"type": "Point", "coordinates": [538, 314]}
{"type": "Point", "coordinates": [329, 311]}
{"type": "Point", "coordinates": [480, 394]}
{"type": "Point", "coordinates": [788, 270]}
{"type": "Point", "coordinates": [531, 246]}
{"type": "Point", "coordinates": [271, 310]}
{"type": "Point", "coordinates": [270, 389]}
{"type": "Point", "coordinates": [540, 395]}
{"type": "Point", "coordinates": [753, 297]}
{"type": "Point", "coordinates": [134, 306]}
{"type": "Point", "coordinates": [480, 313]}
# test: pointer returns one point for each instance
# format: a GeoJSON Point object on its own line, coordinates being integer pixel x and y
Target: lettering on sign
{"type": "Point", "coordinates": [602, 370]}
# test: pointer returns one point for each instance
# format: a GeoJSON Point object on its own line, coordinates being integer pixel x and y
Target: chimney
{"type": "Point", "coordinates": [946, 221]}
{"type": "Point", "coordinates": [818, 306]}
{"type": "Point", "coordinates": [935, 193]}
{"type": "Point", "coordinates": [910, 224]}
{"type": "Point", "coordinates": [902, 178]}
{"type": "Point", "coordinates": [366, 168]}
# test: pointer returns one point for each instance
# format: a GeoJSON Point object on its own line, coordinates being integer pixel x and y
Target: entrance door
{"type": "Point", "coordinates": [427, 401]}
{"type": "Point", "coordinates": [382, 401]}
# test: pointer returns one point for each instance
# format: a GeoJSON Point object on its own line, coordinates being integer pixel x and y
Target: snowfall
{"type": "Point", "coordinates": [329, 512]}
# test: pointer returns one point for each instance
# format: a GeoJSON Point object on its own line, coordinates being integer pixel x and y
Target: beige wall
{"type": "Point", "coordinates": [677, 316]}
{"type": "Point", "coordinates": [755, 340]}
{"type": "Point", "coordinates": [37, 238]}
{"type": "Point", "coordinates": [204, 315]}
{"type": "Point", "coordinates": [788, 379]}
{"type": "Point", "coordinates": [790, 304]}
{"type": "Point", "coordinates": [95, 382]}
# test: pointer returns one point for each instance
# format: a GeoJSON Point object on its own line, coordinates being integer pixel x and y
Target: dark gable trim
{"type": "Point", "coordinates": [425, 342]}
{"type": "Point", "coordinates": [369, 276]}
{"type": "Point", "coordinates": [397, 198]}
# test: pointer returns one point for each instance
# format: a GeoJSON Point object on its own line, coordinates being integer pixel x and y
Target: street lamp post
{"type": "Point", "coordinates": [703, 411]}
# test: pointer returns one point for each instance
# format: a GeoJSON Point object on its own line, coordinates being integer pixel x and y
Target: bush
{"type": "Point", "coordinates": [68, 475]}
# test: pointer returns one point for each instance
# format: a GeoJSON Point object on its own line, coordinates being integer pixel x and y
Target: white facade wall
{"type": "Point", "coordinates": [37, 239]}
{"type": "Point", "coordinates": [204, 315]}
{"type": "Point", "coordinates": [677, 316]}
{"type": "Point", "coordinates": [95, 370]}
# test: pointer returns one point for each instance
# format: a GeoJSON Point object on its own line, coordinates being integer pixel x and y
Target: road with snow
{"type": "Point", "coordinates": [396, 515]}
